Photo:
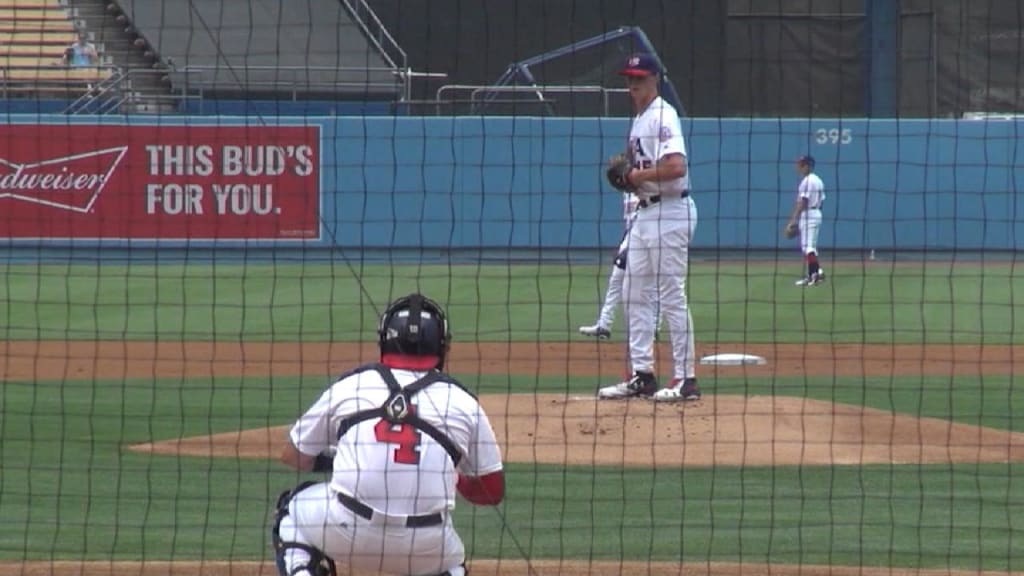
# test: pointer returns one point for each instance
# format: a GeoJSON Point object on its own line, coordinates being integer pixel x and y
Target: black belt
{"type": "Point", "coordinates": [410, 521]}
{"type": "Point", "coordinates": [655, 199]}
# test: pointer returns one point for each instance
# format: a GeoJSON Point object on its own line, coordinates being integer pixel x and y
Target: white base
{"type": "Point", "coordinates": [731, 359]}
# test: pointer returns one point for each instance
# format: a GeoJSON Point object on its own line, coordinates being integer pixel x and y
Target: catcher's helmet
{"type": "Point", "coordinates": [414, 325]}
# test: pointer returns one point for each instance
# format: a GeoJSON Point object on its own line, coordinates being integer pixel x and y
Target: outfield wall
{"type": "Point", "coordinates": [531, 183]}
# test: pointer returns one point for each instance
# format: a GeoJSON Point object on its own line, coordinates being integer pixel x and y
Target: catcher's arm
{"type": "Point", "coordinates": [486, 490]}
{"type": "Point", "coordinates": [294, 458]}
{"type": "Point", "coordinates": [481, 479]}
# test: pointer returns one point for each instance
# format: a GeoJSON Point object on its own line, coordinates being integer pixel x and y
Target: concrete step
{"type": "Point", "coordinates": [148, 93]}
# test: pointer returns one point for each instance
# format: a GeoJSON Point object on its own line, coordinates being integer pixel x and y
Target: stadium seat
{"type": "Point", "coordinates": [11, 14]}
{"type": "Point", "coordinates": [38, 38]}
{"type": "Point", "coordinates": [23, 25]}
{"type": "Point", "coordinates": [29, 4]}
{"type": "Point", "coordinates": [9, 61]}
{"type": "Point", "coordinates": [56, 74]}
{"type": "Point", "coordinates": [33, 37]}
{"type": "Point", "coordinates": [45, 52]}
{"type": "Point", "coordinates": [37, 9]}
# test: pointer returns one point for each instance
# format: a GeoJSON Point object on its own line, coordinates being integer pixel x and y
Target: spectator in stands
{"type": "Point", "coordinates": [81, 54]}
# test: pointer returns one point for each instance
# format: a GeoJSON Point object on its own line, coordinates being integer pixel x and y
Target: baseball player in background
{"type": "Point", "coordinates": [400, 438]}
{"type": "Point", "coordinates": [602, 329]}
{"type": "Point", "coordinates": [806, 216]}
{"type": "Point", "coordinates": [657, 254]}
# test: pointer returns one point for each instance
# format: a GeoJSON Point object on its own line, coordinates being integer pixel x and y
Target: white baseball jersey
{"type": "Point", "coordinates": [656, 132]}
{"type": "Point", "coordinates": [398, 470]}
{"type": "Point", "coordinates": [813, 189]}
{"type": "Point", "coordinates": [629, 202]}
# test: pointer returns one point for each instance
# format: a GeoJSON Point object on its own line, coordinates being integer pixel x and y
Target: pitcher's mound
{"type": "Point", "coordinates": [734, 430]}
{"type": "Point", "coordinates": [716, 431]}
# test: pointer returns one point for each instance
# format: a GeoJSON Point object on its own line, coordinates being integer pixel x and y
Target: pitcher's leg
{"type": "Point", "coordinates": [673, 261]}
{"type": "Point", "coordinates": [640, 309]}
{"type": "Point", "coordinates": [640, 318]}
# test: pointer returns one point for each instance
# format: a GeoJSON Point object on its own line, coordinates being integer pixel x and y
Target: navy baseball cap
{"type": "Point", "coordinates": [806, 159]}
{"type": "Point", "coordinates": [640, 65]}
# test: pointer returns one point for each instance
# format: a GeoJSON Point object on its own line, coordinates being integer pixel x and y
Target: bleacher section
{"type": "Point", "coordinates": [33, 37]}
{"type": "Point", "coordinates": [270, 50]}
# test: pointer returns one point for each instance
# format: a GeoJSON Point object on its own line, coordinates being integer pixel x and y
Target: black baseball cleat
{"type": "Point", "coordinates": [641, 384]}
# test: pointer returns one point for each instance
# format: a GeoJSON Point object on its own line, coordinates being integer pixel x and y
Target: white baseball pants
{"type": "Point", "coordinates": [810, 224]}
{"type": "Point", "coordinates": [658, 257]}
{"type": "Point", "coordinates": [382, 544]}
{"type": "Point", "coordinates": [611, 297]}
{"type": "Point", "coordinates": [613, 294]}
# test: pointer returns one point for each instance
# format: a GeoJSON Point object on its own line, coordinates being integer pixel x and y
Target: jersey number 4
{"type": "Point", "coordinates": [405, 436]}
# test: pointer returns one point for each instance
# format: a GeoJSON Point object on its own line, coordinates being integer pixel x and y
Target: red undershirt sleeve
{"type": "Point", "coordinates": [486, 490]}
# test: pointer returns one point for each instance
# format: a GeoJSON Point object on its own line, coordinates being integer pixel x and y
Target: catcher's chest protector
{"type": "Point", "coordinates": [399, 409]}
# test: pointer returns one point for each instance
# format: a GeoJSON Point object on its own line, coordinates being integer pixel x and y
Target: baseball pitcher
{"type": "Point", "coordinates": [805, 219]}
{"type": "Point", "coordinates": [400, 438]}
{"type": "Point", "coordinates": [657, 254]}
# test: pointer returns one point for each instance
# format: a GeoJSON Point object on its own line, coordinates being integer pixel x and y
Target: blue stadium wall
{"type": "Point", "coordinates": [537, 183]}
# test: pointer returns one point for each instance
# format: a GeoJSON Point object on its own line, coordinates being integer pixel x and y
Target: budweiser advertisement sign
{"type": "Point", "coordinates": [160, 182]}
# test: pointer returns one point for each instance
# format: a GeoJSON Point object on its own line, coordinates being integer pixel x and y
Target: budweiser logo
{"type": "Point", "coordinates": [68, 183]}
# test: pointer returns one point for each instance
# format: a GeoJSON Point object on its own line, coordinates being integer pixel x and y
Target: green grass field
{"type": "Point", "coordinates": [69, 491]}
{"type": "Point", "coordinates": [290, 302]}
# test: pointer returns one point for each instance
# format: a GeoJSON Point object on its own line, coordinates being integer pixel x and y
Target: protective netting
{"type": "Point", "coordinates": [206, 205]}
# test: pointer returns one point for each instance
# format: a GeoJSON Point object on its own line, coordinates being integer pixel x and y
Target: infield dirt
{"type": "Point", "coordinates": [577, 430]}
{"type": "Point", "coordinates": [58, 360]}
{"type": "Point", "coordinates": [756, 430]}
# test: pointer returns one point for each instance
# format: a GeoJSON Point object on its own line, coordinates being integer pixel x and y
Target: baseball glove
{"type": "Point", "coordinates": [791, 230]}
{"type": "Point", "coordinates": [619, 167]}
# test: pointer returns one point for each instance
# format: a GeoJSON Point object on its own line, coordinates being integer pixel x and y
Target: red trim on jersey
{"type": "Point", "coordinates": [407, 362]}
{"type": "Point", "coordinates": [486, 490]}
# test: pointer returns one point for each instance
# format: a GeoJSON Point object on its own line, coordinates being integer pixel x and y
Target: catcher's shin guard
{"type": "Point", "coordinates": [319, 564]}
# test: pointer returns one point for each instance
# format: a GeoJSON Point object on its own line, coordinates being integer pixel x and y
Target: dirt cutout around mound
{"type": "Point", "coordinates": [60, 360]}
{"type": "Point", "coordinates": [720, 430]}
{"type": "Point", "coordinates": [509, 567]}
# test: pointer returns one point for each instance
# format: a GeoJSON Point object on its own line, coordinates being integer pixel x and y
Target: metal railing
{"type": "Point", "coordinates": [477, 92]}
{"type": "Point", "coordinates": [117, 93]}
{"type": "Point", "coordinates": [103, 98]}
{"type": "Point", "coordinates": [73, 83]}
{"type": "Point", "coordinates": [376, 33]}
{"type": "Point", "coordinates": [200, 83]}
{"type": "Point", "coordinates": [165, 90]}
{"type": "Point", "coordinates": [465, 106]}
{"type": "Point", "coordinates": [292, 80]}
